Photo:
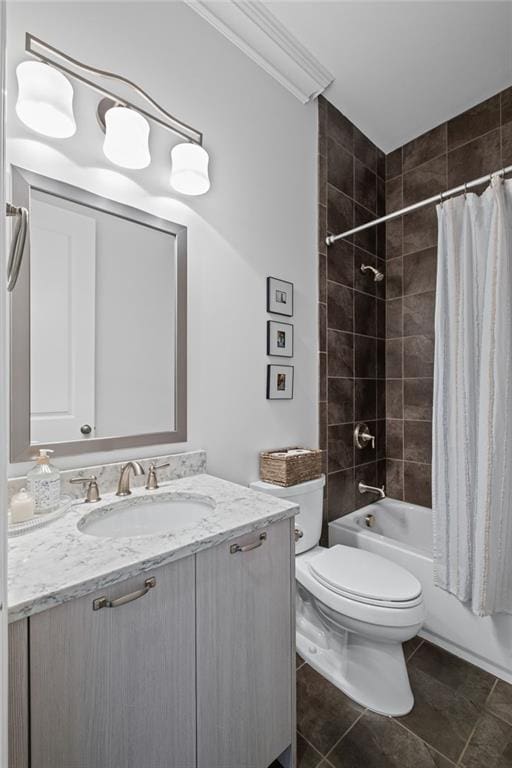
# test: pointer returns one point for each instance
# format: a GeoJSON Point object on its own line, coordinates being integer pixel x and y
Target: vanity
{"type": "Point", "coordinates": [171, 649]}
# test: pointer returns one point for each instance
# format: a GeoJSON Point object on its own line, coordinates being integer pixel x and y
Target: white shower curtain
{"type": "Point", "coordinates": [472, 418]}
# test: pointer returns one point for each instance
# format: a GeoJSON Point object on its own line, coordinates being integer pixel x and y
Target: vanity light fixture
{"type": "Point", "coordinates": [45, 104]}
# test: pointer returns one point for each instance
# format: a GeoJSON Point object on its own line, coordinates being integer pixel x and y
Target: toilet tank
{"type": "Point", "coordinates": [309, 497]}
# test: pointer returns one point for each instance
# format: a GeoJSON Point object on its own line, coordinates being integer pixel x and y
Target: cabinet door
{"type": "Point", "coordinates": [116, 686]}
{"type": "Point", "coordinates": [18, 694]}
{"type": "Point", "coordinates": [244, 644]}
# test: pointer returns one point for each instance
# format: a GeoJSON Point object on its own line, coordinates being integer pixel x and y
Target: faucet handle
{"type": "Point", "coordinates": [362, 436]}
{"type": "Point", "coordinates": [93, 492]}
{"type": "Point", "coordinates": [152, 481]}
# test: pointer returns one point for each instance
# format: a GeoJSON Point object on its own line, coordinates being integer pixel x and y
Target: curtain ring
{"type": "Point", "coordinates": [465, 191]}
{"type": "Point", "coordinates": [441, 199]}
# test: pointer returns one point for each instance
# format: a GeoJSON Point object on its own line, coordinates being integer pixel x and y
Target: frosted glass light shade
{"type": "Point", "coordinates": [45, 100]}
{"type": "Point", "coordinates": [126, 138]}
{"type": "Point", "coordinates": [189, 171]}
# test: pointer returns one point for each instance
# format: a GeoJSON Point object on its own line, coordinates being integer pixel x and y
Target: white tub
{"type": "Point", "coordinates": [403, 532]}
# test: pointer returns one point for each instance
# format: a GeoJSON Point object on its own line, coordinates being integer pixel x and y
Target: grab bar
{"type": "Point", "coordinates": [17, 244]}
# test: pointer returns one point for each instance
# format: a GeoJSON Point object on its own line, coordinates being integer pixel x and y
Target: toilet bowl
{"type": "Point", "coordinates": [354, 609]}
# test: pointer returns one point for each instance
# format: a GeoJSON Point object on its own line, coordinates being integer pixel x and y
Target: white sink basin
{"type": "Point", "coordinates": [146, 515]}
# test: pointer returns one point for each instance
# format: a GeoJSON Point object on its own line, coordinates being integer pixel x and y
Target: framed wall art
{"type": "Point", "coordinates": [279, 339]}
{"type": "Point", "coordinates": [279, 297]}
{"type": "Point", "coordinates": [280, 382]}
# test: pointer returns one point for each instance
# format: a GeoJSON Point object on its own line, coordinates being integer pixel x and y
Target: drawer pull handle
{"type": "Point", "coordinates": [234, 548]}
{"type": "Point", "coordinates": [104, 602]}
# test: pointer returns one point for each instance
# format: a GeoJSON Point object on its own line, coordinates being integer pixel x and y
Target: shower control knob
{"type": "Point", "coordinates": [362, 436]}
{"type": "Point", "coordinates": [86, 429]}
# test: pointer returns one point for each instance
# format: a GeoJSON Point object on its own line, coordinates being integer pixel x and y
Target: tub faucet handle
{"type": "Point", "coordinates": [362, 436]}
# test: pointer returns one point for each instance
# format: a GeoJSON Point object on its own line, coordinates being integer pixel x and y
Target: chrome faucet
{"type": "Point", "coordinates": [123, 488]}
{"type": "Point", "coordinates": [371, 489]}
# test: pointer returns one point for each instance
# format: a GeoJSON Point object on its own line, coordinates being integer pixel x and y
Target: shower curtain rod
{"type": "Point", "coordinates": [428, 201]}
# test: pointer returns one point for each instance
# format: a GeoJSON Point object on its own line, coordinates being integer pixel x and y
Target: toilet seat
{"type": "Point", "coordinates": [365, 577]}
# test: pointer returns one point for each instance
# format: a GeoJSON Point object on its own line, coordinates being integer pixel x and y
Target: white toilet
{"type": "Point", "coordinates": [354, 610]}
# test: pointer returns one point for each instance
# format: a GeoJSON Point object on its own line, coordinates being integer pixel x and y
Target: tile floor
{"type": "Point", "coordinates": [462, 717]}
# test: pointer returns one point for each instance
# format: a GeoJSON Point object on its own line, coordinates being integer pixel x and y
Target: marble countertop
{"type": "Point", "coordinates": [58, 562]}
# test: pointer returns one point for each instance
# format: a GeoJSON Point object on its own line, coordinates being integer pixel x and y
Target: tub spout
{"type": "Point", "coordinates": [370, 489]}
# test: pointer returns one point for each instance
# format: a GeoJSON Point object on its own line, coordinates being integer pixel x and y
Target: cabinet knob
{"type": "Point", "coordinates": [86, 429]}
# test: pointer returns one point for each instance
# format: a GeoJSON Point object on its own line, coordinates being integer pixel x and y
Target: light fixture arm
{"type": "Point", "coordinates": [169, 122]}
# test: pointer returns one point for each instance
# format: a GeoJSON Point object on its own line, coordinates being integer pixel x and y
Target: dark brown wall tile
{"type": "Point", "coordinates": [367, 239]}
{"type": "Point", "coordinates": [394, 269]}
{"type": "Point", "coordinates": [340, 409]}
{"type": "Point", "coordinates": [381, 319]}
{"type": "Point", "coordinates": [322, 180]}
{"type": "Point", "coordinates": [365, 311]}
{"type": "Point", "coordinates": [395, 479]}
{"type": "Point", "coordinates": [363, 281]}
{"type": "Point", "coordinates": [474, 122]}
{"type": "Point", "coordinates": [394, 349]}
{"type": "Point", "coordinates": [418, 441]}
{"type": "Point", "coordinates": [394, 325]}
{"type": "Point", "coordinates": [394, 238]}
{"type": "Point", "coordinates": [322, 327]}
{"type": "Point", "coordinates": [322, 376]}
{"type": "Point", "coordinates": [420, 271]}
{"type": "Point", "coordinates": [381, 358]}
{"type": "Point", "coordinates": [419, 357]}
{"type": "Point", "coordinates": [340, 167]}
{"type": "Point", "coordinates": [425, 180]}
{"type": "Point", "coordinates": [381, 399]}
{"type": "Point", "coordinates": [365, 399]}
{"type": "Point", "coordinates": [367, 474]}
{"type": "Point", "coordinates": [394, 198]}
{"type": "Point", "coordinates": [394, 399]}
{"type": "Point", "coordinates": [425, 147]}
{"type": "Point", "coordinates": [420, 229]}
{"type": "Point", "coordinates": [365, 150]}
{"type": "Point", "coordinates": [339, 128]}
{"type": "Point", "coordinates": [506, 144]}
{"type": "Point", "coordinates": [418, 395]}
{"type": "Point", "coordinates": [381, 164]}
{"type": "Point", "coordinates": [341, 494]}
{"type": "Point", "coordinates": [365, 357]}
{"type": "Point", "coordinates": [419, 314]}
{"type": "Point", "coordinates": [365, 186]}
{"type": "Point", "coordinates": [340, 354]}
{"type": "Point", "coordinates": [506, 105]}
{"type": "Point", "coordinates": [381, 196]}
{"type": "Point", "coordinates": [340, 263]}
{"type": "Point", "coordinates": [394, 438]}
{"type": "Point", "coordinates": [475, 159]}
{"type": "Point", "coordinates": [340, 307]}
{"type": "Point", "coordinates": [418, 484]}
{"type": "Point", "coordinates": [340, 447]}
{"type": "Point", "coordinates": [322, 229]}
{"type": "Point", "coordinates": [322, 426]}
{"type": "Point", "coordinates": [394, 163]}
{"type": "Point", "coordinates": [322, 278]}
{"type": "Point", "coordinates": [340, 213]}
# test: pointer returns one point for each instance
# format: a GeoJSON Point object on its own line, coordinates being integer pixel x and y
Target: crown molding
{"type": "Point", "coordinates": [260, 35]}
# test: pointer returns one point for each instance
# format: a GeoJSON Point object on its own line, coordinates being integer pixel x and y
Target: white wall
{"type": "Point", "coordinates": [258, 219]}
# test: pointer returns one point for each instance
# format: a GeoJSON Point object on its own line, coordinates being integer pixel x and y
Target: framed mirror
{"type": "Point", "coordinates": [98, 328]}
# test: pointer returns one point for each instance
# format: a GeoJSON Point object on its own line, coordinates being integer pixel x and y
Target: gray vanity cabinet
{"type": "Point", "coordinates": [116, 686]}
{"type": "Point", "coordinates": [244, 647]}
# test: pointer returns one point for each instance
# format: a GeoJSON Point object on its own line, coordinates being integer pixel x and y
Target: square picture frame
{"type": "Point", "coordinates": [280, 382]}
{"type": "Point", "coordinates": [279, 297]}
{"type": "Point", "coordinates": [279, 339]}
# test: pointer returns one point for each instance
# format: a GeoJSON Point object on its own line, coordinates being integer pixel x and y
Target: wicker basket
{"type": "Point", "coordinates": [283, 468]}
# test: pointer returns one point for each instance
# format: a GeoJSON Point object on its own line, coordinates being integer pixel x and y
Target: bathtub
{"type": "Point", "coordinates": [402, 532]}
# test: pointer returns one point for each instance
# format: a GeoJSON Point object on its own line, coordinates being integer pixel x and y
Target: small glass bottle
{"type": "Point", "coordinates": [43, 482]}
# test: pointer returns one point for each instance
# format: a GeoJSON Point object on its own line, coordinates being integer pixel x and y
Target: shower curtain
{"type": "Point", "coordinates": [472, 417]}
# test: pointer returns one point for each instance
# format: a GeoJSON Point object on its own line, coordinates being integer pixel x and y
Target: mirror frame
{"type": "Point", "coordinates": [21, 449]}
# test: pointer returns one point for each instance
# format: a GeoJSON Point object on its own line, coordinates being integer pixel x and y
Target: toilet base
{"type": "Point", "coordinates": [373, 674]}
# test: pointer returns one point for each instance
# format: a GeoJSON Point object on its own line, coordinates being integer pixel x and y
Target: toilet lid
{"type": "Point", "coordinates": [364, 576]}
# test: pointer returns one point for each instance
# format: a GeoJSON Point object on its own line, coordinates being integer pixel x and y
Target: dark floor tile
{"type": "Point", "coordinates": [365, 357]}
{"type": "Point", "coordinates": [367, 239]}
{"type": "Point", "coordinates": [474, 122]}
{"type": "Point", "coordinates": [394, 324]}
{"type": "Point", "coordinates": [394, 163]}
{"type": "Point", "coordinates": [419, 314]}
{"type": "Point", "coordinates": [490, 746]}
{"type": "Point", "coordinates": [340, 396]}
{"type": "Point", "coordinates": [380, 742]}
{"type": "Point", "coordinates": [394, 358]}
{"type": "Point", "coordinates": [420, 229]}
{"type": "Point", "coordinates": [307, 756]}
{"type": "Point", "coordinates": [470, 161]}
{"type": "Point", "coordinates": [340, 361]}
{"type": "Point", "coordinates": [365, 150]}
{"type": "Point", "coordinates": [341, 494]}
{"type": "Point", "coordinates": [339, 128]}
{"type": "Point", "coordinates": [394, 399]}
{"type": "Point", "coordinates": [425, 147]}
{"type": "Point", "coordinates": [340, 167]}
{"type": "Point", "coordinates": [340, 263]}
{"type": "Point", "coordinates": [506, 105]}
{"type": "Point", "coordinates": [340, 310]}
{"type": "Point", "coordinates": [394, 198]}
{"type": "Point", "coordinates": [394, 268]}
{"type": "Point", "coordinates": [418, 441]}
{"type": "Point", "coordinates": [419, 271]}
{"type": "Point", "coordinates": [395, 479]}
{"type": "Point", "coordinates": [411, 646]}
{"type": "Point", "coordinates": [365, 314]}
{"type": "Point", "coordinates": [418, 395]}
{"type": "Point", "coordinates": [365, 399]}
{"type": "Point", "coordinates": [323, 712]}
{"type": "Point", "coordinates": [394, 439]}
{"type": "Point", "coordinates": [425, 181]}
{"type": "Point", "coordinates": [506, 144]}
{"type": "Point", "coordinates": [500, 702]}
{"type": "Point", "coordinates": [418, 484]}
{"type": "Point", "coordinates": [340, 213]}
{"type": "Point", "coordinates": [440, 716]}
{"type": "Point", "coordinates": [466, 680]}
{"type": "Point", "coordinates": [418, 357]}
{"type": "Point", "coordinates": [365, 186]}
{"type": "Point", "coordinates": [367, 474]}
{"type": "Point", "coordinates": [340, 447]}
{"type": "Point", "coordinates": [394, 238]}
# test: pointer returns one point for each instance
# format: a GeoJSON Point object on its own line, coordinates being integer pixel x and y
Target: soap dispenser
{"type": "Point", "coordinates": [44, 483]}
